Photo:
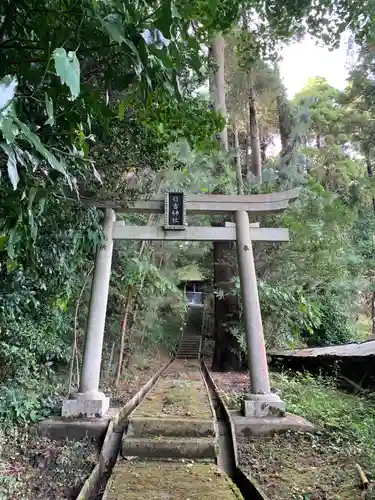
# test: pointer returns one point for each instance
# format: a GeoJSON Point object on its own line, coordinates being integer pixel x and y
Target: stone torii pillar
{"type": "Point", "coordinates": [89, 401]}
{"type": "Point", "coordinates": [260, 402]}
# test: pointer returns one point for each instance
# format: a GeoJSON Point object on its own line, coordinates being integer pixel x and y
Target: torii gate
{"type": "Point", "coordinates": [260, 402]}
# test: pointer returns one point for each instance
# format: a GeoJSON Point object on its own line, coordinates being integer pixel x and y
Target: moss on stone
{"type": "Point", "coordinates": [156, 480]}
{"type": "Point", "coordinates": [180, 393]}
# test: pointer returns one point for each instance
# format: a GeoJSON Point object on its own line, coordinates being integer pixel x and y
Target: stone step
{"type": "Point", "coordinates": [195, 340]}
{"type": "Point", "coordinates": [165, 480]}
{"type": "Point", "coordinates": [147, 447]}
{"type": "Point", "coordinates": [188, 355]}
{"type": "Point", "coordinates": [170, 426]}
{"type": "Point", "coordinates": [196, 347]}
{"type": "Point", "coordinates": [188, 349]}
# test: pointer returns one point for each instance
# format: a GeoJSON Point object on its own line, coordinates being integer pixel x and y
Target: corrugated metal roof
{"type": "Point", "coordinates": [346, 350]}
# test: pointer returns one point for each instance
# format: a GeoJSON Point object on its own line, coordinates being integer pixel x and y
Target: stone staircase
{"type": "Point", "coordinates": [172, 436]}
{"type": "Point", "coordinates": [175, 420]}
{"type": "Point", "coordinates": [191, 341]}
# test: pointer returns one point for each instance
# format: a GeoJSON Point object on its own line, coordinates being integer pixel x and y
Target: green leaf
{"type": "Point", "coordinates": [9, 129]}
{"type": "Point", "coordinates": [49, 109]}
{"type": "Point", "coordinates": [3, 240]}
{"type": "Point", "coordinates": [32, 194]}
{"type": "Point", "coordinates": [138, 66]}
{"type": "Point", "coordinates": [41, 204]}
{"type": "Point", "coordinates": [114, 29]}
{"type": "Point", "coordinates": [68, 69]}
{"type": "Point", "coordinates": [8, 87]}
{"type": "Point", "coordinates": [121, 109]}
{"type": "Point", "coordinates": [36, 142]}
{"type": "Point", "coordinates": [12, 165]}
{"type": "Point", "coordinates": [97, 175]}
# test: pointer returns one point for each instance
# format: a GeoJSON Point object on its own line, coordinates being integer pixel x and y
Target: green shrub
{"type": "Point", "coordinates": [335, 324]}
{"type": "Point", "coordinates": [28, 400]}
{"type": "Point", "coordinates": [32, 346]}
{"type": "Point", "coordinates": [349, 419]}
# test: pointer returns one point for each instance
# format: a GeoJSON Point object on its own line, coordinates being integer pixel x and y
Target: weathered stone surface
{"type": "Point", "coordinates": [175, 420]}
{"type": "Point", "coordinates": [57, 428]}
{"type": "Point", "coordinates": [81, 406]}
{"type": "Point", "coordinates": [268, 426]}
{"type": "Point", "coordinates": [170, 426]}
{"type": "Point", "coordinates": [184, 398]}
{"type": "Point", "coordinates": [263, 405]}
{"type": "Point", "coordinates": [147, 447]}
{"type": "Point", "coordinates": [169, 480]}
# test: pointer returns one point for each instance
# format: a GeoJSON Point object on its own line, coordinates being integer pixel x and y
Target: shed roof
{"type": "Point", "coordinates": [189, 273]}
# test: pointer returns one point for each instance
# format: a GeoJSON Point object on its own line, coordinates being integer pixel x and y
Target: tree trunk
{"type": "Point", "coordinates": [284, 122]}
{"type": "Point", "coordinates": [225, 357]}
{"type": "Point", "coordinates": [248, 143]}
{"type": "Point", "coordinates": [217, 84]}
{"type": "Point", "coordinates": [238, 160]}
{"type": "Point", "coordinates": [256, 161]}
{"type": "Point", "coordinates": [122, 339]}
{"type": "Point", "coordinates": [263, 150]}
{"type": "Point", "coordinates": [370, 174]}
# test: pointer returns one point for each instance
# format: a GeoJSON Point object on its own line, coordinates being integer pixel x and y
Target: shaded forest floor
{"type": "Point", "coordinates": [34, 468]}
{"type": "Point", "coordinates": [319, 466]}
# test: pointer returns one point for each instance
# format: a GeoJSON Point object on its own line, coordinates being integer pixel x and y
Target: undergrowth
{"type": "Point", "coordinates": [345, 421]}
{"type": "Point", "coordinates": [35, 468]}
{"type": "Point", "coordinates": [348, 420]}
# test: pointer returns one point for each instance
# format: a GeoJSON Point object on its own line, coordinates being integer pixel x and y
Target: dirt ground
{"type": "Point", "coordinates": [33, 468]}
{"type": "Point", "coordinates": [299, 467]}
{"type": "Point", "coordinates": [137, 374]}
{"type": "Point", "coordinates": [296, 466]}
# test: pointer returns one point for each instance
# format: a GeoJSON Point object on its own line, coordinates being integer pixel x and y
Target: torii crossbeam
{"type": "Point", "coordinates": [260, 402]}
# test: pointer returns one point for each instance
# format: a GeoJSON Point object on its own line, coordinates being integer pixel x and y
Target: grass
{"type": "Point", "coordinates": [363, 328]}
{"type": "Point", "coordinates": [320, 466]}
{"type": "Point", "coordinates": [323, 465]}
{"type": "Point", "coordinates": [349, 420]}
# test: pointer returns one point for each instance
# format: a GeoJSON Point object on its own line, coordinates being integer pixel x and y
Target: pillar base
{"type": "Point", "coordinates": [91, 404]}
{"type": "Point", "coordinates": [263, 405]}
